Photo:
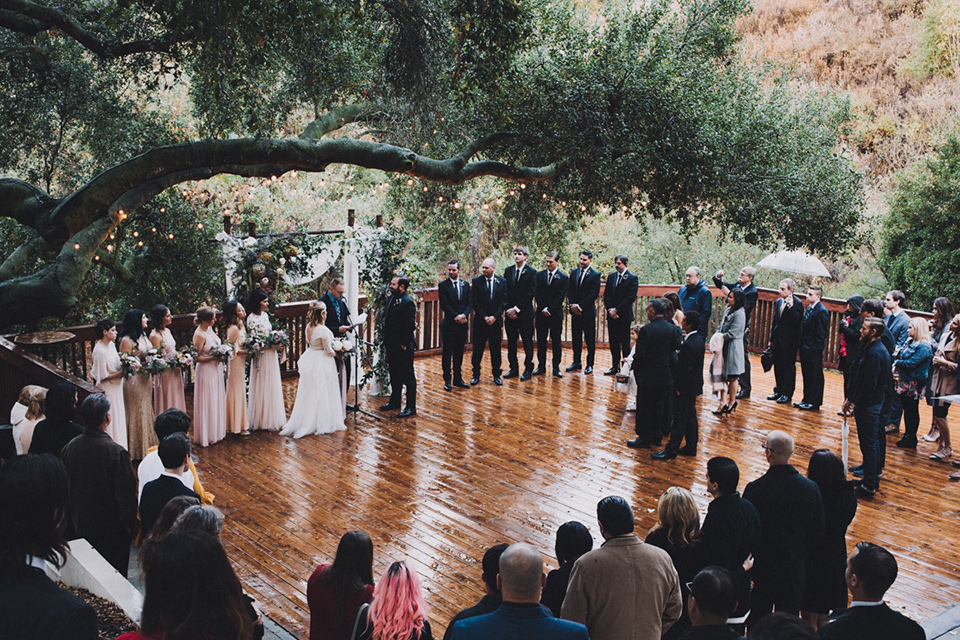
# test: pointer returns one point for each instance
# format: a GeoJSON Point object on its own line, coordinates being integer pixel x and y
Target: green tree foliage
{"type": "Point", "coordinates": [922, 233]}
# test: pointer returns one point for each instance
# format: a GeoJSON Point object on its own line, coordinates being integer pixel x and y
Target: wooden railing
{"type": "Point", "coordinates": [45, 365]}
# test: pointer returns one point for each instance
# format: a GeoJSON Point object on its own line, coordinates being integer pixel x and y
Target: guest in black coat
{"type": "Point", "coordinates": [58, 427]}
{"type": "Point", "coordinates": [174, 452]}
{"type": "Point", "coordinates": [731, 528]}
{"type": "Point", "coordinates": [791, 521]}
{"type": "Point", "coordinates": [551, 292]}
{"type": "Point", "coordinates": [826, 588]}
{"type": "Point", "coordinates": [785, 341]}
{"type": "Point", "coordinates": [813, 340]}
{"type": "Point", "coordinates": [488, 291]}
{"type": "Point", "coordinates": [849, 328]}
{"type": "Point", "coordinates": [654, 359]}
{"type": "Point", "coordinates": [712, 601]}
{"type": "Point", "coordinates": [583, 289]}
{"type": "Point", "coordinates": [400, 341]}
{"type": "Point", "coordinates": [573, 540]}
{"type": "Point", "coordinates": [521, 281]}
{"type": "Point", "coordinates": [493, 598]}
{"type": "Point", "coordinates": [456, 302]}
{"type": "Point", "coordinates": [619, 294]}
{"type": "Point", "coordinates": [689, 384]}
{"type": "Point", "coordinates": [871, 570]}
{"type": "Point", "coordinates": [33, 503]}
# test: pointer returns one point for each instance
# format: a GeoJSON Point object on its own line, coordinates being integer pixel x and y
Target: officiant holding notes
{"type": "Point", "coordinates": [338, 321]}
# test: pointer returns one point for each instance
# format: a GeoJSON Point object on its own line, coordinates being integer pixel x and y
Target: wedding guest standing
{"type": "Point", "coordinates": [58, 427]}
{"type": "Point", "coordinates": [210, 395]}
{"type": "Point", "coordinates": [911, 365]}
{"type": "Point", "coordinates": [266, 409]}
{"type": "Point", "coordinates": [108, 376]}
{"type": "Point", "coordinates": [138, 388]}
{"type": "Point", "coordinates": [233, 317]}
{"type": "Point", "coordinates": [26, 413]}
{"type": "Point", "coordinates": [168, 386]}
{"type": "Point", "coordinates": [619, 295]}
{"type": "Point", "coordinates": [732, 328]}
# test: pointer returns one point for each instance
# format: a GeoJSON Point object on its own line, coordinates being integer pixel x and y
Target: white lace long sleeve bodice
{"type": "Point", "coordinates": [259, 322]}
{"type": "Point", "coordinates": [321, 340]}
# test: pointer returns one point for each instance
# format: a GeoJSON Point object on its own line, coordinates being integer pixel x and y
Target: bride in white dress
{"type": "Point", "coordinates": [318, 407]}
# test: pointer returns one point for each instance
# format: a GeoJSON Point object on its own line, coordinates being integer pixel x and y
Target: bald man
{"type": "Point", "coordinates": [791, 526]}
{"type": "Point", "coordinates": [521, 615]}
{"type": "Point", "coordinates": [488, 290]}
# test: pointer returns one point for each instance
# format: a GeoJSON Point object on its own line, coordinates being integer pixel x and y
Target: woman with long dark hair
{"type": "Point", "coordinates": [849, 328]}
{"type": "Point", "coordinates": [942, 315]}
{"type": "Point", "coordinates": [107, 374]}
{"type": "Point", "coordinates": [266, 410]}
{"type": "Point", "coordinates": [233, 316]}
{"type": "Point", "coordinates": [732, 327]}
{"type": "Point", "coordinates": [573, 540]}
{"type": "Point", "coordinates": [192, 593]}
{"type": "Point", "coordinates": [168, 386]}
{"type": "Point", "coordinates": [58, 427]}
{"type": "Point", "coordinates": [944, 383]}
{"type": "Point", "coordinates": [164, 524]}
{"type": "Point", "coordinates": [826, 588]}
{"type": "Point", "coordinates": [398, 611]}
{"type": "Point", "coordinates": [137, 389]}
{"type": "Point", "coordinates": [336, 591]}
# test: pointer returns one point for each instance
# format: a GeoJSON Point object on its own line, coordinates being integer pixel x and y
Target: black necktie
{"type": "Point", "coordinates": [519, 271]}
{"type": "Point", "coordinates": [549, 277]}
{"type": "Point", "coordinates": [490, 285]}
{"type": "Point", "coordinates": [583, 274]}
{"type": "Point", "coordinates": [619, 279]}
{"type": "Point", "coordinates": [456, 283]}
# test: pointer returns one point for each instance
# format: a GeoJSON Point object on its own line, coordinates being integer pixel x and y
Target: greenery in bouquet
{"type": "Point", "coordinates": [131, 365]}
{"type": "Point", "coordinates": [256, 343]}
{"type": "Point", "coordinates": [154, 362]}
{"type": "Point", "coordinates": [185, 358]}
{"type": "Point", "coordinates": [279, 337]}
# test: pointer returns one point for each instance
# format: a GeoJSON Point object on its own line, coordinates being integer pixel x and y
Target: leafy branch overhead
{"type": "Point", "coordinates": [107, 105]}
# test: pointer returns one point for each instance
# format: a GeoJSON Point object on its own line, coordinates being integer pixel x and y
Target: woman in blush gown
{"type": "Point", "coordinates": [210, 393]}
{"type": "Point", "coordinates": [318, 408]}
{"type": "Point", "coordinates": [233, 316]}
{"type": "Point", "coordinates": [137, 389]}
{"type": "Point", "coordinates": [108, 376]}
{"type": "Point", "coordinates": [265, 410]}
{"type": "Point", "coordinates": [168, 386]}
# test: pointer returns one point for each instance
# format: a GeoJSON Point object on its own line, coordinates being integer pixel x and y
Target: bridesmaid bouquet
{"type": "Point", "coordinates": [256, 343]}
{"type": "Point", "coordinates": [184, 358]}
{"type": "Point", "coordinates": [130, 365]}
{"type": "Point", "coordinates": [279, 337]}
{"type": "Point", "coordinates": [154, 362]}
{"type": "Point", "coordinates": [222, 352]}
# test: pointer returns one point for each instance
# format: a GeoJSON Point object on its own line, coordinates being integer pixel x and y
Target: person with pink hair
{"type": "Point", "coordinates": [398, 611]}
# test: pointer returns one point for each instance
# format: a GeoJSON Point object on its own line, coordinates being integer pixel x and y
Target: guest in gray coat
{"type": "Point", "coordinates": [732, 327]}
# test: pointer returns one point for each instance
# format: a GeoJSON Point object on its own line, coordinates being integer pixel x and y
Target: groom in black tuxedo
{"type": "Point", "coordinates": [583, 289]}
{"type": "Point", "coordinates": [488, 291]}
{"type": "Point", "coordinates": [399, 340]}
{"type": "Point", "coordinates": [456, 303]}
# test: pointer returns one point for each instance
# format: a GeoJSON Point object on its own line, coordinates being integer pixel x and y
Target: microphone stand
{"type": "Point", "coordinates": [362, 358]}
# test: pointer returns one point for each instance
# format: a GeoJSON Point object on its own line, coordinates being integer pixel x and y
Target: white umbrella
{"type": "Point", "coordinates": [795, 262]}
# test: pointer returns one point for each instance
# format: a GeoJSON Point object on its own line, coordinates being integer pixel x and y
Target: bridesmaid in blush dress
{"type": "Point", "coordinates": [210, 394]}
{"type": "Point", "coordinates": [233, 317]}
{"type": "Point", "coordinates": [168, 386]}
{"type": "Point", "coordinates": [266, 410]}
{"type": "Point", "coordinates": [137, 389]}
{"type": "Point", "coordinates": [108, 376]}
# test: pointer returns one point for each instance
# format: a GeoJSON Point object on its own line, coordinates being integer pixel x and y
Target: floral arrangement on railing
{"type": "Point", "coordinates": [263, 262]}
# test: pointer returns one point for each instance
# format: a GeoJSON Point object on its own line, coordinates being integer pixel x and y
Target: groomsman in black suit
{"type": "Point", "coordinates": [654, 361]}
{"type": "Point", "coordinates": [400, 341]}
{"type": "Point", "coordinates": [582, 292]}
{"type": "Point", "coordinates": [456, 303]}
{"type": "Point", "coordinates": [744, 283]}
{"type": "Point", "coordinates": [521, 282]}
{"type": "Point", "coordinates": [785, 341]}
{"type": "Point", "coordinates": [338, 319]}
{"type": "Point", "coordinates": [551, 291]}
{"type": "Point", "coordinates": [618, 298]}
{"type": "Point", "coordinates": [488, 292]}
{"type": "Point", "coordinates": [813, 339]}
{"type": "Point", "coordinates": [688, 384]}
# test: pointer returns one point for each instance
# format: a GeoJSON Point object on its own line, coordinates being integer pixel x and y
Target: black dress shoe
{"type": "Point", "coordinates": [775, 396]}
{"type": "Point", "coordinates": [588, 370]}
{"type": "Point", "coordinates": [538, 371]}
{"type": "Point", "coordinates": [526, 376]}
{"type": "Point", "coordinates": [510, 374]}
{"type": "Point", "coordinates": [407, 413]}
{"type": "Point", "coordinates": [639, 443]}
{"type": "Point", "coordinates": [666, 454]}
{"type": "Point", "coordinates": [742, 394]}
{"type": "Point", "coordinates": [784, 400]}
{"type": "Point", "coordinates": [498, 382]}
{"type": "Point", "coordinates": [855, 468]}
{"type": "Point", "coordinates": [447, 386]}
{"type": "Point", "coordinates": [557, 374]}
{"type": "Point", "coordinates": [687, 451]}
{"type": "Point", "coordinates": [389, 407]}
{"type": "Point", "coordinates": [461, 384]}
{"type": "Point", "coordinates": [610, 372]}
{"type": "Point", "coordinates": [863, 492]}
{"type": "Point", "coordinates": [474, 381]}
{"type": "Point", "coordinates": [907, 442]}
{"type": "Point", "coordinates": [576, 366]}
{"type": "Point", "coordinates": [796, 405]}
{"type": "Point", "coordinates": [806, 406]}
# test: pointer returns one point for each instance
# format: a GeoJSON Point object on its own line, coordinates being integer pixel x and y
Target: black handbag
{"type": "Point", "coordinates": [766, 359]}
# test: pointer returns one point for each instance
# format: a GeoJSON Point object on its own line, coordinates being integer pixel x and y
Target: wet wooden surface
{"type": "Point", "coordinates": [506, 464]}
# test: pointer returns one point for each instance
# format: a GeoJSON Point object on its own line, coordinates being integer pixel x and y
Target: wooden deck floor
{"type": "Point", "coordinates": [505, 464]}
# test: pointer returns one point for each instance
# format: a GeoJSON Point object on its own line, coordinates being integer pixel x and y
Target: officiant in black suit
{"type": "Point", "coordinates": [551, 291]}
{"type": "Point", "coordinates": [456, 303]}
{"type": "Point", "coordinates": [583, 289]}
{"type": "Point", "coordinates": [400, 341]}
{"type": "Point", "coordinates": [338, 321]}
{"type": "Point", "coordinates": [521, 280]}
{"type": "Point", "coordinates": [618, 298]}
{"type": "Point", "coordinates": [488, 291]}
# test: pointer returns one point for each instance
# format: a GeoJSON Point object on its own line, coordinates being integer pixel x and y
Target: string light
{"type": "Point", "coordinates": [140, 244]}
{"type": "Point", "coordinates": [109, 247]}
{"type": "Point", "coordinates": [469, 206]}
{"type": "Point", "coordinates": [96, 257]}
{"type": "Point", "coordinates": [199, 225]}
{"type": "Point", "coordinates": [136, 234]}
{"type": "Point", "coordinates": [154, 229]}
{"type": "Point", "coordinates": [456, 205]}
{"type": "Point", "coordinates": [409, 182]}
{"type": "Point", "coordinates": [544, 196]}
{"type": "Point", "coordinates": [113, 237]}
{"type": "Point", "coordinates": [485, 206]}
{"type": "Point", "coordinates": [170, 236]}
{"type": "Point", "coordinates": [563, 203]}
{"type": "Point", "coordinates": [350, 187]}
{"type": "Point", "coordinates": [523, 186]}
{"type": "Point", "coordinates": [424, 189]}
{"type": "Point", "coordinates": [512, 192]}
{"type": "Point", "coordinates": [77, 247]}
{"type": "Point", "coordinates": [499, 200]}
{"type": "Point", "coordinates": [440, 199]}
{"type": "Point", "coordinates": [163, 209]}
